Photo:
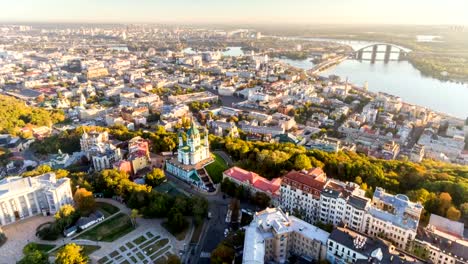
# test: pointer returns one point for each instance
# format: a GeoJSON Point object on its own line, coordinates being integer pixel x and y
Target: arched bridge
{"type": "Point", "coordinates": [386, 49]}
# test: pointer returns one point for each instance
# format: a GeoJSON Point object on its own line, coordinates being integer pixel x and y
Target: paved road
{"type": "Point", "coordinates": [226, 157]}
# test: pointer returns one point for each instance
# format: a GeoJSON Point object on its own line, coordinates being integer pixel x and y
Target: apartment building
{"type": "Point", "coordinates": [300, 192]}
{"type": "Point", "coordinates": [348, 246]}
{"type": "Point", "coordinates": [273, 236]}
{"type": "Point", "coordinates": [444, 241]}
{"type": "Point", "coordinates": [342, 203]}
{"type": "Point", "coordinates": [315, 198]}
{"type": "Point", "coordinates": [393, 217]}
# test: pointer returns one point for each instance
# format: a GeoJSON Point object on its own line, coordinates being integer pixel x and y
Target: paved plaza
{"type": "Point", "coordinates": [19, 234]}
{"type": "Point", "coordinates": [149, 247]}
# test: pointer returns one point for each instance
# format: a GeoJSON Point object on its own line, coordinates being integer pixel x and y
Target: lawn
{"type": "Point", "coordinates": [155, 246]}
{"type": "Point", "coordinates": [110, 230]}
{"type": "Point", "coordinates": [106, 208]}
{"type": "Point", "coordinates": [42, 247]}
{"type": "Point", "coordinates": [160, 252]}
{"type": "Point", "coordinates": [216, 168]}
{"type": "Point", "coordinates": [139, 240]}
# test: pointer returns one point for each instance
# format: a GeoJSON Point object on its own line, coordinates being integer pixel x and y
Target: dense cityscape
{"type": "Point", "coordinates": [151, 143]}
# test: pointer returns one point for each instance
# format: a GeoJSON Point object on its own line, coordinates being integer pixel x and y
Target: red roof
{"type": "Point", "coordinates": [313, 178]}
{"type": "Point", "coordinates": [257, 181]}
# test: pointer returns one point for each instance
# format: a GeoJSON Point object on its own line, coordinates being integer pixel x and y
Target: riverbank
{"type": "Point", "coordinates": [445, 59]}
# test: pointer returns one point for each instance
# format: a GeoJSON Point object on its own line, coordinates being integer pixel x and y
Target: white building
{"type": "Point", "coordinates": [318, 199]}
{"type": "Point", "coordinates": [343, 203]}
{"type": "Point", "coordinates": [300, 192]}
{"type": "Point", "coordinates": [25, 197]}
{"type": "Point", "coordinates": [393, 217]}
{"type": "Point", "coordinates": [99, 150]}
{"type": "Point", "coordinates": [347, 246]}
{"type": "Point", "coordinates": [444, 241]}
{"type": "Point", "coordinates": [273, 236]}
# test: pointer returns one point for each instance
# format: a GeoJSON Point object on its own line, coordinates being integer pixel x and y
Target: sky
{"type": "Point", "coordinates": [421, 12]}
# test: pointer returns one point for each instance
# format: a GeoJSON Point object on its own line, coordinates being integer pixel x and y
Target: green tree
{"type": "Point", "coordinates": [302, 162]}
{"type": "Point", "coordinates": [134, 215]}
{"type": "Point", "coordinates": [65, 217]}
{"type": "Point", "coordinates": [176, 221]}
{"type": "Point", "coordinates": [199, 209]}
{"type": "Point", "coordinates": [261, 200]}
{"type": "Point", "coordinates": [420, 195]}
{"type": "Point", "coordinates": [84, 201]}
{"type": "Point", "coordinates": [71, 254]}
{"type": "Point", "coordinates": [155, 177]}
{"type": "Point", "coordinates": [222, 254]}
{"type": "Point", "coordinates": [41, 169]}
{"type": "Point", "coordinates": [33, 256]}
{"type": "Point", "coordinates": [173, 259]}
{"type": "Point", "coordinates": [453, 213]}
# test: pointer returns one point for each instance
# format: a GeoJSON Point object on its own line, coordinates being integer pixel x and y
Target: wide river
{"type": "Point", "coordinates": [399, 78]}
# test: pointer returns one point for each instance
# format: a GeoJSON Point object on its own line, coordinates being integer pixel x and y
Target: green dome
{"type": "Point", "coordinates": [193, 130]}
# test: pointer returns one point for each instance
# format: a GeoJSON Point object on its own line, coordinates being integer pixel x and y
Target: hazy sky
{"type": "Point", "coordinates": [240, 11]}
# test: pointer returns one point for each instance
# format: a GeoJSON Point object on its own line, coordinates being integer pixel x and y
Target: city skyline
{"type": "Point", "coordinates": [242, 11]}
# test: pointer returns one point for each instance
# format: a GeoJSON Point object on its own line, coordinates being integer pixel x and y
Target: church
{"type": "Point", "coordinates": [193, 155]}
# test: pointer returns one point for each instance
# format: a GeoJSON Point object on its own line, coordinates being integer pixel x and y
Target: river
{"type": "Point", "coordinates": [399, 78]}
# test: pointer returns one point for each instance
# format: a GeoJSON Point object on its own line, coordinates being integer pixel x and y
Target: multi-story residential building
{"type": "Point", "coordinates": [417, 153]}
{"type": "Point", "coordinates": [443, 241]}
{"type": "Point", "coordinates": [348, 246]}
{"type": "Point", "coordinates": [325, 144]}
{"type": "Point", "coordinates": [342, 202]}
{"type": "Point", "coordinates": [254, 182]}
{"type": "Point", "coordinates": [318, 199]}
{"type": "Point", "coordinates": [264, 130]}
{"type": "Point", "coordinates": [25, 197]}
{"type": "Point", "coordinates": [193, 97]}
{"type": "Point", "coordinates": [393, 217]}
{"type": "Point", "coordinates": [300, 192]}
{"type": "Point", "coordinates": [441, 148]}
{"type": "Point", "coordinates": [99, 150]}
{"type": "Point", "coordinates": [273, 236]}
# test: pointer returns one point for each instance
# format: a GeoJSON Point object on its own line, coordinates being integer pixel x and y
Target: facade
{"type": "Point", "coordinates": [193, 97]}
{"type": "Point", "coordinates": [59, 160]}
{"type": "Point", "coordinates": [138, 154]}
{"type": "Point", "coordinates": [393, 217]}
{"type": "Point", "coordinates": [254, 182]}
{"type": "Point", "coordinates": [192, 156]}
{"type": "Point", "coordinates": [25, 197]}
{"type": "Point", "coordinates": [342, 202]}
{"type": "Point", "coordinates": [273, 236]}
{"type": "Point", "coordinates": [300, 192]}
{"type": "Point", "coordinates": [318, 199]}
{"type": "Point", "coordinates": [99, 150]}
{"type": "Point", "coordinates": [347, 246]}
{"type": "Point", "coordinates": [444, 241]}
{"type": "Point", "coordinates": [325, 144]}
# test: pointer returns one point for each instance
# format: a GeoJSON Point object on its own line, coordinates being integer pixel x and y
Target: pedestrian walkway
{"type": "Point", "coordinates": [145, 248]}
{"type": "Point", "coordinates": [19, 234]}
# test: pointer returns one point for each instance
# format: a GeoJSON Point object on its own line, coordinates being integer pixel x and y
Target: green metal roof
{"type": "Point", "coordinates": [193, 130]}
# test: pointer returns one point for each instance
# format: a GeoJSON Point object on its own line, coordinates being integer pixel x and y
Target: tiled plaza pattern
{"type": "Point", "coordinates": [146, 248]}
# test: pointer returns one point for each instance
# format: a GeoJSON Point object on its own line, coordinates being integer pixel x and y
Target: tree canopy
{"type": "Point", "coordinates": [84, 201]}
{"type": "Point", "coordinates": [71, 254]}
{"type": "Point", "coordinates": [15, 114]}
